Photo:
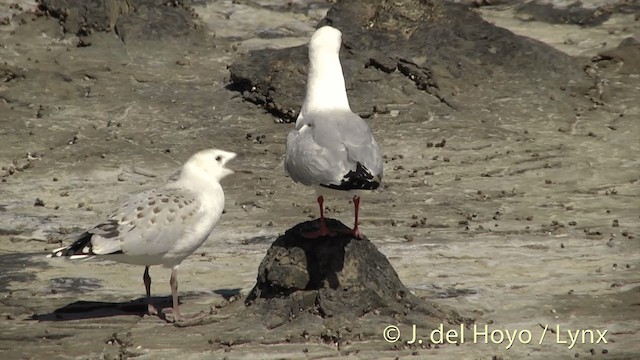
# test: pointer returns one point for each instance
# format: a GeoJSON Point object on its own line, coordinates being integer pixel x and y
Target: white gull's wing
{"type": "Point", "coordinates": [149, 224]}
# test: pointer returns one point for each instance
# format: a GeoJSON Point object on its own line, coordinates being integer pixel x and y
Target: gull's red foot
{"type": "Point", "coordinates": [323, 231]}
{"type": "Point", "coordinates": [357, 233]}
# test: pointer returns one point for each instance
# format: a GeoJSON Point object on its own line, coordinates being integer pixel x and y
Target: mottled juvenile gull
{"type": "Point", "coordinates": [161, 226]}
{"type": "Point", "coordinates": [331, 148]}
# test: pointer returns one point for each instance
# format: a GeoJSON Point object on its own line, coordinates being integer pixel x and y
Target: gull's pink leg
{"type": "Point", "coordinates": [356, 230]}
{"type": "Point", "coordinates": [175, 309]}
{"type": "Point", "coordinates": [173, 281]}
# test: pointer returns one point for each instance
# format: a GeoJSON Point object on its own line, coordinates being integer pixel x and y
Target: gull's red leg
{"type": "Point", "coordinates": [324, 230]}
{"type": "Point", "coordinates": [323, 225]}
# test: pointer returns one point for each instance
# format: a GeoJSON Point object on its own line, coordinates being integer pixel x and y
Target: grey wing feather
{"type": "Point", "coordinates": [148, 224]}
{"type": "Point", "coordinates": [360, 144]}
{"type": "Point", "coordinates": [325, 148]}
{"type": "Point", "coordinates": [308, 162]}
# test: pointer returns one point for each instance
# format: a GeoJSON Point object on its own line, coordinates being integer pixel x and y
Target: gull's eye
{"type": "Point", "coordinates": [218, 158]}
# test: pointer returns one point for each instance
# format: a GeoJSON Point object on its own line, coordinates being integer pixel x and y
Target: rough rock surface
{"type": "Point", "coordinates": [625, 58]}
{"type": "Point", "coordinates": [576, 12]}
{"type": "Point", "coordinates": [132, 20]}
{"type": "Point", "coordinates": [91, 15]}
{"type": "Point", "coordinates": [335, 277]}
{"type": "Point", "coordinates": [444, 49]}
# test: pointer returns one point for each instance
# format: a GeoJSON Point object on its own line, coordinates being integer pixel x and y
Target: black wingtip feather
{"type": "Point", "coordinates": [358, 179]}
{"type": "Point", "coordinates": [83, 246]}
{"type": "Point", "coordinates": [78, 247]}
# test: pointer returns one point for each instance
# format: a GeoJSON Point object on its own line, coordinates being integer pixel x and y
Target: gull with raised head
{"type": "Point", "coordinates": [331, 148]}
{"type": "Point", "coordinates": [161, 226]}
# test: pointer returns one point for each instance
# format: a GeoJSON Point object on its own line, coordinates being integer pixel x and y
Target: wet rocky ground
{"type": "Point", "coordinates": [511, 171]}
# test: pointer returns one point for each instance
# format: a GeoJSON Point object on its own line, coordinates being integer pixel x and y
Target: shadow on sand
{"type": "Point", "coordinates": [81, 309]}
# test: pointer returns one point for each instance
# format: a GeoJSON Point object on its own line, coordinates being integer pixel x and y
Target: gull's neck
{"type": "Point", "coordinates": [197, 181]}
{"type": "Point", "coordinates": [325, 84]}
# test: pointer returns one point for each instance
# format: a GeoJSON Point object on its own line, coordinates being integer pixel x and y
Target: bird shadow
{"type": "Point", "coordinates": [324, 255]}
{"type": "Point", "coordinates": [228, 293]}
{"type": "Point", "coordinates": [81, 309]}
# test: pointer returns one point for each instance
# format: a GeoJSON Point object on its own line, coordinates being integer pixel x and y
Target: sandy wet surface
{"type": "Point", "coordinates": [529, 222]}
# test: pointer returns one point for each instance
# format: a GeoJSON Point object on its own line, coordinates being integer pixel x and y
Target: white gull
{"type": "Point", "coordinates": [331, 148]}
{"type": "Point", "coordinates": [161, 226]}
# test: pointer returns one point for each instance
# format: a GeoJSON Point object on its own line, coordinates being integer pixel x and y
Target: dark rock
{"type": "Point", "coordinates": [630, 41]}
{"type": "Point", "coordinates": [574, 13]}
{"type": "Point", "coordinates": [446, 50]}
{"type": "Point", "coordinates": [83, 17]}
{"type": "Point", "coordinates": [626, 56]}
{"type": "Point", "coordinates": [254, 77]}
{"type": "Point", "coordinates": [383, 63]}
{"type": "Point", "coordinates": [482, 3]}
{"type": "Point", "coordinates": [339, 278]}
{"type": "Point", "coordinates": [10, 73]}
{"type": "Point", "coordinates": [131, 19]}
{"type": "Point", "coordinates": [154, 23]}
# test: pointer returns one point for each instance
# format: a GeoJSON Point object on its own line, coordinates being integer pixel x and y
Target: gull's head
{"type": "Point", "coordinates": [210, 164]}
{"type": "Point", "coordinates": [327, 39]}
